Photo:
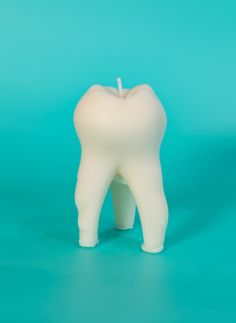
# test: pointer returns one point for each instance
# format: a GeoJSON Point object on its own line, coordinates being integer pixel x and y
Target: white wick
{"type": "Point", "coordinates": [119, 84]}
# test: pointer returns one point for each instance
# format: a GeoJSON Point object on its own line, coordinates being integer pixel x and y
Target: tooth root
{"type": "Point", "coordinates": [145, 181]}
{"type": "Point", "coordinates": [94, 177]}
{"type": "Point", "coordinates": [124, 206]}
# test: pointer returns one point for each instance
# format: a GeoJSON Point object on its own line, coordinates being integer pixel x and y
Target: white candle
{"type": "Point", "coordinates": [120, 132]}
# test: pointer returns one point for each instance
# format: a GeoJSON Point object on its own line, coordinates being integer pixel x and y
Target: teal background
{"type": "Point", "coordinates": [50, 53]}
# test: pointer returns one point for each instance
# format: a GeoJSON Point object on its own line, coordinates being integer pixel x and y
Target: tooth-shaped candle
{"type": "Point", "coordinates": [120, 132]}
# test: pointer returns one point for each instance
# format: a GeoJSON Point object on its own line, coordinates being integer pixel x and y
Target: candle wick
{"type": "Point", "coordinates": [119, 84]}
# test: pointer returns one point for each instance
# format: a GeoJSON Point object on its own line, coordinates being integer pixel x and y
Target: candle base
{"type": "Point", "coordinates": [151, 249]}
{"type": "Point", "coordinates": [87, 244]}
{"type": "Point", "coordinates": [123, 228]}
{"type": "Point", "coordinates": [86, 240]}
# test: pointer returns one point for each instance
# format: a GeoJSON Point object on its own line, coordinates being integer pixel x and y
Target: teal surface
{"type": "Point", "coordinates": [50, 53]}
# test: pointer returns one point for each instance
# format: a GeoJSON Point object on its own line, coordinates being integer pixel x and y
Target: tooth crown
{"type": "Point", "coordinates": [101, 116]}
{"type": "Point", "coordinates": [120, 135]}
